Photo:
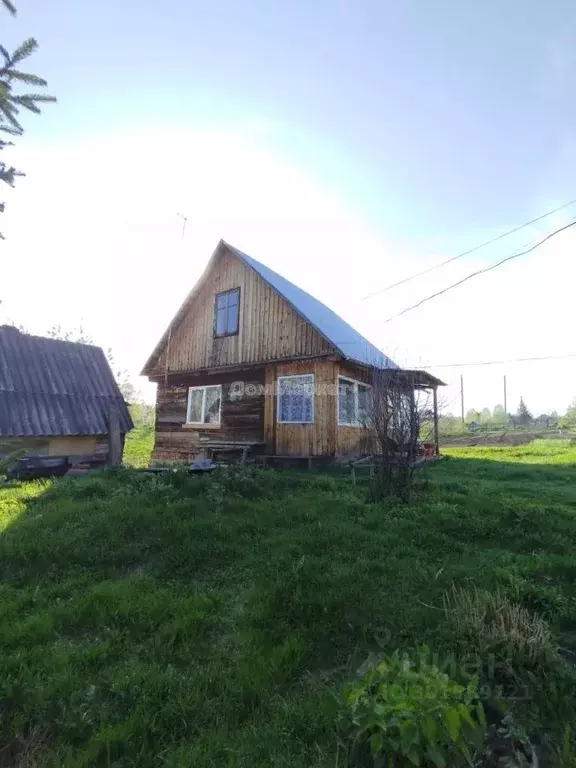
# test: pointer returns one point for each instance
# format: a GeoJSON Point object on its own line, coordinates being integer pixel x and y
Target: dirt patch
{"type": "Point", "coordinates": [502, 438]}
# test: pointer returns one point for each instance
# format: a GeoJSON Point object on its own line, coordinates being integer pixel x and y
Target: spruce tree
{"type": "Point", "coordinates": [11, 102]}
{"type": "Point", "coordinates": [523, 415]}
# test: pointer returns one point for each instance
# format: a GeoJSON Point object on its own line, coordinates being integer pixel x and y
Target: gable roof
{"type": "Point", "coordinates": [340, 335]}
{"type": "Point", "coordinates": [347, 341]}
{"type": "Point", "coordinates": [53, 387]}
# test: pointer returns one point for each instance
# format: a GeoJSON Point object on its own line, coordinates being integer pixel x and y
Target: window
{"type": "Point", "coordinates": [296, 399]}
{"type": "Point", "coordinates": [204, 405]}
{"type": "Point", "coordinates": [346, 401]}
{"type": "Point", "coordinates": [364, 404]}
{"type": "Point", "coordinates": [354, 403]}
{"type": "Point", "coordinates": [227, 312]}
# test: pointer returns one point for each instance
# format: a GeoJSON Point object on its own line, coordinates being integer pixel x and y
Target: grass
{"type": "Point", "coordinates": [211, 621]}
{"type": "Point", "coordinates": [138, 447]}
{"type": "Point", "coordinates": [536, 452]}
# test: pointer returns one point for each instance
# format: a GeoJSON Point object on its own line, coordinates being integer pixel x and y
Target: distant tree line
{"type": "Point", "coordinates": [497, 418]}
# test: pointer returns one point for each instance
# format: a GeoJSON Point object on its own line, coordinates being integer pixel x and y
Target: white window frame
{"type": "Point", "coordinates": [203, 409]}
{"type": "Point", "coordinates": [279, 393]}
{"type": "Point", "coordinates": [357, 422]}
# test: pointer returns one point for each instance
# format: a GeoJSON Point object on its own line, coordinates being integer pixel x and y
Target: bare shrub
{"type": "Point", "coordinates": [398, 413]}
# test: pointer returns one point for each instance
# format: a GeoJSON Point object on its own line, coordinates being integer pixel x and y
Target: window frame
{"type": "Point", "coordinates": [216, 296]}
{"type": "Point", "coordinates": [279, 420]}
{"type": "Point", "coordinates": [357, 422]}
{"type": "Point", "coordinates": [209, 424]}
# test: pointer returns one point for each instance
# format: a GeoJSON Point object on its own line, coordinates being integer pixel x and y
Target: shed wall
{"type": "Point", "coordinates": [95, 446]}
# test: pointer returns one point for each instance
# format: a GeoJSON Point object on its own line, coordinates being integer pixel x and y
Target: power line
{"type": "Point", "coordinates": [451, 402]}
{"type": "Point", "coordinates": [497, 362]}
{"type": "Point", "coordinates": [470, 250]}
{"type": "Point", "coordinates": [480, 272]}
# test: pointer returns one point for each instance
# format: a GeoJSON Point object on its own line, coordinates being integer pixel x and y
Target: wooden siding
{"type": "Point", "coordinates": [356, 372]}
{"type": "Point", "coordinates": [269, 329]}
{"type": "Point", "coordinates": [316, 439]}
{"type": "Point", "coordinates": [354, 441]}
{"type": "Point", "coordinates": [254, 416]}
{"type": "Point", "coordinates": [241, 415]}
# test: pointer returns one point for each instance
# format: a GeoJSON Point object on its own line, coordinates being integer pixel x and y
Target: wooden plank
{"type": "Point", "coordinates": [318, 438]}
{"type": "Point", "coordinates": [114, 436]}
{"type": "Point", "coordinates": [270, 409]}
{"type": "Point", "coordinates": [354, 441]}
{"type": "Point", "coordinates": [269, 328]}
{"type": "Point", "coordinates": [436, 435]}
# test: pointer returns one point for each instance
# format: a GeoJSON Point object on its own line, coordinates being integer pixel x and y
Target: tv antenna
{"type": "Point", "coordinates": [184, 220]}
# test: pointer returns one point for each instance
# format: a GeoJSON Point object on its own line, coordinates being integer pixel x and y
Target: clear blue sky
{"type": "Point", "coordinates": [438, 124]}
{"type": "Point", "coordinates": [445, 117]}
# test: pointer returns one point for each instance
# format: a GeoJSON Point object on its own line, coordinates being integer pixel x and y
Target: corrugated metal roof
{"type": "Point", "coordinates": [351, 344]}
{"type": "Point", "coordinates": [53, 387]}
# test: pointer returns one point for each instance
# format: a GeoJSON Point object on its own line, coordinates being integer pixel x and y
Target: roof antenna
{"type": "Point", "coordinates": [184, 220]}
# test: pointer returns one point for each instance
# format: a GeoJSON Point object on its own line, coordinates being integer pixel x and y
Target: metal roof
{"type": "Point", "coordinates": [351, 344]}
{"type": "Point", "coordinates": [53, 387]}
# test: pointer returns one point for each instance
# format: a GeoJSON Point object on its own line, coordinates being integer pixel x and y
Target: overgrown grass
{"type": "Point", "coordinates": [138, 447]}
{"type": "Point", "coordinates": [211, 621]}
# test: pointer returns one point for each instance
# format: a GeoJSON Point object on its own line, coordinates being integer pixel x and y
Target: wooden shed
{"type": "Point", "coordinates": [56, 397]}
{"type": "Point", "coordinates": [252, 360]}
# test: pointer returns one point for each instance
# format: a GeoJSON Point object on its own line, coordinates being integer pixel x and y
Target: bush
{"type": "Point", "coordinates": [411, 713]}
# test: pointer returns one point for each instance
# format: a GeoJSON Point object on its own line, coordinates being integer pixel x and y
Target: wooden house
{"type": "Point", "coordinates": [56, 398]}
{"type": "Point", "coordinates": [252, 360]}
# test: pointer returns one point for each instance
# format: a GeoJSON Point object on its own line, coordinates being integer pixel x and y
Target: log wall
{"type": "Point", "coordinates": [241, 415]}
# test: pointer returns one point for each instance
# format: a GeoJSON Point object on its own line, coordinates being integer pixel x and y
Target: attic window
{"type": "Point", "coordinates": [227, 312]}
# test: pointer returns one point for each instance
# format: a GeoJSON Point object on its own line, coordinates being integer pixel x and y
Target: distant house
{"type": "Point", "coordinates": [251, 359]}
{"type": "Point", "coordinates": [55, 397]}
{"type": "Point", "coordinates": [544, 421]}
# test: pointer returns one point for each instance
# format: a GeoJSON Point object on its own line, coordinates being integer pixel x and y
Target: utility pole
{"type": "Point", "coordinates": [462, 396]}
{"type": "Point", "coordinates": [505, 401]}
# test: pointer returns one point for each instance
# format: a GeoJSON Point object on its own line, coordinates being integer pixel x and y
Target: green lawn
{"type": "Point", "coordinates": [138, 447]}
{"type": "Point", "coordinates": [211, 621]}
{"type": "Point", "coordinates": [536, 452]}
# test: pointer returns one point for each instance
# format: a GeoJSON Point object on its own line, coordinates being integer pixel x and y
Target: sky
{"type": "Point", "coordinates": [346, 145]}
